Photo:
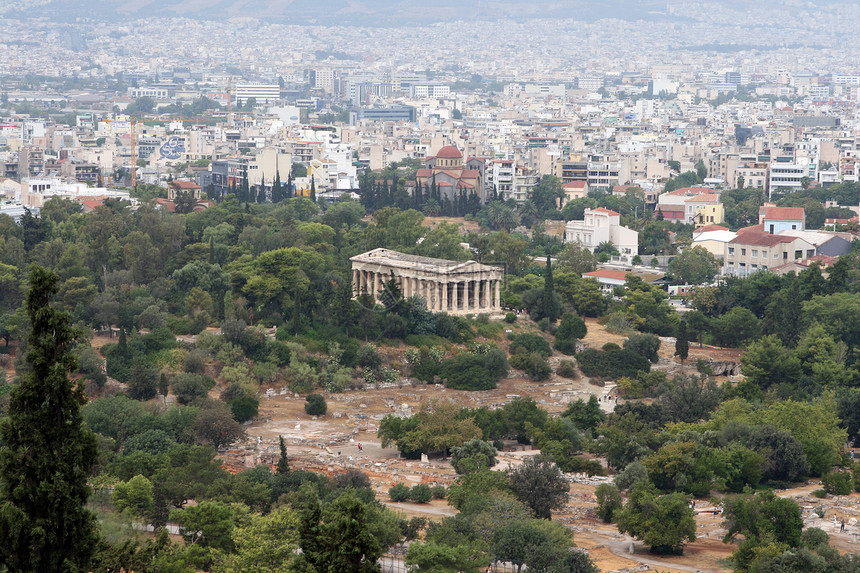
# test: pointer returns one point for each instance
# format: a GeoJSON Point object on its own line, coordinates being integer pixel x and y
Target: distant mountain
{"type": "Point", "coordinates": [339, 12]}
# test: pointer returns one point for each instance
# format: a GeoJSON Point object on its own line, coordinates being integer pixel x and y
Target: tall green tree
{"type": "Point", "coordinates": [48, 453]}
{"type": "Point", "coordinates": [682, 344]}
{"type": "Point", "coordinates": [550, 303]}
{"type": "Point", "coordinates": [283, 466]}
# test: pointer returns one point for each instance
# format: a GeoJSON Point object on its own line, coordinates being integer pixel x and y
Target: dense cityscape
{"type": "Point", "coordinates": [451, 287]}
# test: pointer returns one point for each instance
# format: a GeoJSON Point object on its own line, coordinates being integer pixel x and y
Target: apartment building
{"type": "Point", "coordinates": [785, 178]}
{"type": "Point", "coordinates": [262, 93]}
{"type": "Point", "coordinates": [603, 225]}
{"type": "Point", "coordinates": [754, 251]}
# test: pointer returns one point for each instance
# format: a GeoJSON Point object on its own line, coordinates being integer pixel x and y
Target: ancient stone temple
{"type": "Point", "coordinates": [448, 286]}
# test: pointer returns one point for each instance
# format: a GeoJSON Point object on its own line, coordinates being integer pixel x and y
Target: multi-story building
{"type": "Point", "coordinates": [786, 178]}
{"type": "Point", "coordinates": [602, 225]}
{"type": "Point", "coordinates": [262, 93]}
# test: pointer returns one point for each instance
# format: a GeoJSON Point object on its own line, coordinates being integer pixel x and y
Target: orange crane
{"type": "Point", "coordinates": [133, 121]}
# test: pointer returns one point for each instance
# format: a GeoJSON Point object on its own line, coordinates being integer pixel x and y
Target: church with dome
{"type": "Point", "coordinates": [451, 175]}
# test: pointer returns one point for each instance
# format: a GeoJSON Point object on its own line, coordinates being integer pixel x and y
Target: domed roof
{"type": "Point", "coordinates": [449, 152]}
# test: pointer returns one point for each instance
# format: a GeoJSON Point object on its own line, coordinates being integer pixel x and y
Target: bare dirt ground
{"type": "Point", "coordinates": [330, 444]}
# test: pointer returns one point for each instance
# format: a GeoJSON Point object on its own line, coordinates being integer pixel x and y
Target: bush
{"type": "Point", "coordinates": [612, 362]}
{"type": "Point", "coordinates": [421, 493]}
{"type": "Point", "coordinates": [244, 408]}
{"type": "Point", "coordinates": [819, 493]}
{"type": "Point", "coordinates": [566, 368]}
{"type": "Point", "coordinates": [534, 364]}
{"type": "Point", "coordinates": [837, 483]}
{"type": "Point", "coordinates": [438, 491]}
{"type": "Point", "coordinates": [528, 343]}
{"type": "Point", "coordinates": [189, 388]}
{"type": "Point", "coordinates": [471, 371]}
{"type": "Point", "coordinates": [645, 345]}
{"type": "Point", "coordinates": [632, 473]}
{"type": "Point", "coordinates": [194, 362]}
{"type": "Point", "coordinates": [608, 501]}
{"type": "Point", "coordinates": [399, 493]}
{"type": "Point", "coordinates": [368, 357]}
{"type": "Point", "coordinates": [510, 318]}
{"type": "Point", "coordinates": [315, 405]}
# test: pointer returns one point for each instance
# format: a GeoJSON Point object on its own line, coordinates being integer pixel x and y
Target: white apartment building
{"type": "Point", "coordinates": [262, 93]}
{"type": "Point", "coordinates": [602, 225]}
{"type": "Point", "coordinates": [429, 90]}
{"type": "Point", "coordinates": [154, 93]}
{"type": "Point", "coordinates": [785, 177]}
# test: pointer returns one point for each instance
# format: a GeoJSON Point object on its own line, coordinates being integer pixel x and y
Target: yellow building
{"type": "Point", "coordinates": [712, 214]}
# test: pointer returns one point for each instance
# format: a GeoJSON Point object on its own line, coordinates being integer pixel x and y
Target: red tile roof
{"type": "Point", "coordinates": [761, 239]}
{"type": "Point", "coordinates": [449, 152]}
{"type": "Point", "coordinates": [605, 210]}
{"type": "Point", "coordinates": [185, 184]}
{"type": "Point", "coordinates": [424, 172]}
{"type": "Point", "coordinates": [707, 228]}
{"type": "Point", "coordinates": [703, 198]}
{"type": "Point", "coordinates": [690, 191]}
{"type": "Point", "coordinates": [784, 213]}
{"type": "Point", "coordinates": [574, 185]}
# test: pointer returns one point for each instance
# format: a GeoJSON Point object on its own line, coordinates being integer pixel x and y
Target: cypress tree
{"type": "Point", "coordinates": [277, 190]}
{"type": "Point", "coordinates": [313, 190]}
{"type": "Point", "coordinates": [211, 249]}
{"type": "Point", "coordinates": [283, 466]}
{"type": "Point", "coordinates": [550, 309]}
{"type": "Point", "coordinates": [47, 452]}
{"type": "Point", "coordinates": [682, 342]}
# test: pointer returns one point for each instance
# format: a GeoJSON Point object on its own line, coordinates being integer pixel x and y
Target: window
{"type": "Point", "coordinates": [731, 250]}
{"type": "Point", "coordinates": [755, 253]}
{"type": "Point", "coordinates": [743, 252]}
{"type": "Point", "coordinates": [793, 227]}
{"type": "Point", "coordinates": [764, 254]}
{"type": "Point", "coordinates": [810, 253]}
{"type": "Point", "coordinates": [754, 266]}
{"type": "Point", "coordinates": [798, 254]}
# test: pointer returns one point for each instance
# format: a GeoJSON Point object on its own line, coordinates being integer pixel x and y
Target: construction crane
{"type": "Point", "coordinates": [133, 121]}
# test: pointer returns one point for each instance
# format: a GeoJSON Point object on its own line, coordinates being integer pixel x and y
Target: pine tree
{"type": "Point", "coordinates": [283, 466]}
{"type": "Point", "coordinates": [47, 452]}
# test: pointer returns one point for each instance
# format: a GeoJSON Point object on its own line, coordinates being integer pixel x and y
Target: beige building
{"type": "Point", "coordinates": [454, 287]}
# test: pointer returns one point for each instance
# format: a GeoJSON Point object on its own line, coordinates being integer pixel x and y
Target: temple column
{"type": "Point", "coordinates": [444, 286]}
{"type": "Point", "coordinates": [455, 296]}
{"type": "Point", "coordinates": [356, 287]}
{"type": "Point", "coordinates": [498, 301]}
{"type": "Point", "coordinates": [375, 285]}
{"type": "Point", "coordinates": [487, 302]}
{"type": "Point", "coordinates": [473, 294]}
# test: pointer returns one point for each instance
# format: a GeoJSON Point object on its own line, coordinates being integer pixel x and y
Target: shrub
{"type": "Point", "coordinates": [528, 343]}
{"type": "Point", "coordinates": [244, 408]}
{"type": "Point", "coordinates": [643, 344]}
{"type": "Point", "coordinates": [189, 387]}
{"type": "Point", "coordinates": [510, 318]}
{"type": "Point", "coordinates": [819, 493]}
{"type": "Point", "coordinates": [315, 405]}
{"type": "Point", "coordinates": [566, 368]}
{"type": "Point", "coordinates": [399, 492]}
{"type": "Point", "coordinates": [534, 364]}
{"type": "Point", "coordinates": [438, 491]}
{"type": "Point", "coordinates": [194, 362]}
{"type": "Point", "coordinates": [544, 324]}
{"type": "Point", "coordinates": [608, 501]}
{"type": "Point", "coordinates": [837, 483]}
{"type": "Point", "coordinates": [421, 493]}
{"type": "Point", "coordinates": [632, 473]}
{"type": "Point", "coordinates": [612, 362]}
{"type": "Point", "coordinates": [368, 357]}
